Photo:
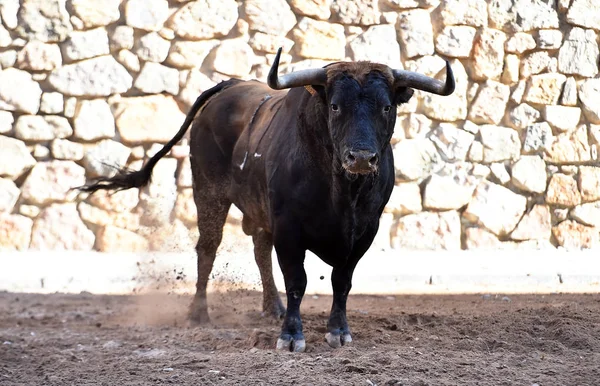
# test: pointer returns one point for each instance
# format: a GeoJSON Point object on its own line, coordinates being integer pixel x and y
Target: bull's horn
{"type": "Point", "coordinates": [313, 76]}
{"type": "Point", "coordinates": [425, 83]}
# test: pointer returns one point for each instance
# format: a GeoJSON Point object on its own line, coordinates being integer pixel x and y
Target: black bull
{"type": "Point", "coordinates": [310, 168]}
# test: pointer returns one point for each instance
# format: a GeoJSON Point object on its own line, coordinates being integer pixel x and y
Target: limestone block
{"type": "Point", "coordinates": [428, 231]}
{"type": "Point", "coordinates": [58, 227]}
{"type": "Point", "coordinates": [535, 225]}
{"type": "Point", "coordinates": [416, 33]}
{"type": "Point", "coordinates": [563, 191]}
{"type": "Point", "coordinates": [101, 76]}
{"type": "Point", "coordinates": [496, 208]}
{"type": "Point", "coordinates": [19, 92]}
{"type": "Point", "coordinates": [204, 19]}
{"type": "Point", "coordinates": [52, 181]}
{"type": "Point", "coordinates": [15, 159]}
{"type": "Point", "coordinates": [499, 143]}
{"type": "Point", "coordinates": [529, 174]}
{"type": "Point", "coordinates": [15, 232]}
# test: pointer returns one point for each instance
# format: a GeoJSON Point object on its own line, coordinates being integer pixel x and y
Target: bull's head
{"type": "Point", "coordinates": [361, 100]}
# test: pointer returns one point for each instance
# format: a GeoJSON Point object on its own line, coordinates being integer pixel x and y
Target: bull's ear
{"type": "Point", "coordinates": [320, 91]}
{"type": "Point", "coordinates": [403, 94]}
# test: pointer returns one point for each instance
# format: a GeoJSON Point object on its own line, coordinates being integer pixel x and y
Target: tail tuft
{"type": "Point", "coordinates": [125, 179]}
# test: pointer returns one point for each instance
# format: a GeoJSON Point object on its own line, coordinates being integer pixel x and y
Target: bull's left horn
{"type": "Point", "coordinates": [421, 82]}
{"type": "Point", "coordinates": [313, 76]}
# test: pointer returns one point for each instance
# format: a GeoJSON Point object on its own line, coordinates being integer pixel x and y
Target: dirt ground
{"type": "Point", "coordinates": [402, 340]}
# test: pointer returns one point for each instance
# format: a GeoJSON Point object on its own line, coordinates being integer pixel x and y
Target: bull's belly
{"type": "Point", "coordinates": [253, 207]}
{"type": "Point", "coordinates": [334, 246]}
{"type": "Point", "coordinates": [332, 255]}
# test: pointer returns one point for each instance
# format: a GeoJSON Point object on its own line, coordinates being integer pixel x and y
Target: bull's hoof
{"type": "Point", "coordinates": [338, 340]}
{"type": "Point", "coordinates": [198, 317]}
{"type": "Point", "coordinates": [275, 311]}
{"type": "Point", "coordinates": [294, 344]}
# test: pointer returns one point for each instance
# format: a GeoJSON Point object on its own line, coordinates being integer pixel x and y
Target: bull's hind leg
{"type": "Point", "coordinates": [212, 207]}
{"type": "Point", "coordinates": [263, 247]}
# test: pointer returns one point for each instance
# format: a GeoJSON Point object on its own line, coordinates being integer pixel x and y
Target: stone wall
{"type": "Point", "coordinates": [508, 161]}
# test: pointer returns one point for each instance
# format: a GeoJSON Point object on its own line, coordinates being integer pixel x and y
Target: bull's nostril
{"type": "Point", "coordinates": [373, 160]}
{"type": "Point", "coordinates": [362, 159]}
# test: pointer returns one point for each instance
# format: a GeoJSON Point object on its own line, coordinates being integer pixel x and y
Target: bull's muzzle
{"type": "Point", "coordinates": [360, 162]}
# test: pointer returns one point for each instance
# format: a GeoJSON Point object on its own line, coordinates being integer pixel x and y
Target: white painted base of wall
{"type": "Point", "coordinates": [392, 272]}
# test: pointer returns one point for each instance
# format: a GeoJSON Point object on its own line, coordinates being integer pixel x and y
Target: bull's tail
{"type": "Point", "coordinates": [126, 178]}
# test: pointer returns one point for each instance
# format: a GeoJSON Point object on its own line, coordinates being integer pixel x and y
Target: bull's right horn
{"type": "Point", "coordinates": [313, 76]}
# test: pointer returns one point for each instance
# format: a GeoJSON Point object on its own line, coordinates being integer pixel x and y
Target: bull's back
{"type": "Point", "coordinates": [226, 115]}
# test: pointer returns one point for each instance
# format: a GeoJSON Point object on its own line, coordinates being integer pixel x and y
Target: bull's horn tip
{"type": "Point", "coordinates": [278, 55]}
{"type": "Point", "coordinates": [450, 81]}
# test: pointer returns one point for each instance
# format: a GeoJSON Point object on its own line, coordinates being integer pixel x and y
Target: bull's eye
{"type": "Point", "coordinates": [387, 109]}
{"type": "Point", "coordinates": [334, 107]}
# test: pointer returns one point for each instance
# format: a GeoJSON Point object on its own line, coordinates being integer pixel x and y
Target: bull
{"type": "Point", "coordinates": [308, 161]}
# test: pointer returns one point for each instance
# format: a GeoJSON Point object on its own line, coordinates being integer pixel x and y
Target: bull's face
{"type": "Point", "coordinates": [361, 100]}
{"type": "Point", "coordinates": [361, 118]}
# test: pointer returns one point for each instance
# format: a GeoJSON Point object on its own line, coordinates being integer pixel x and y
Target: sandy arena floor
{"type": "Point", "coordinates": [403, 340]}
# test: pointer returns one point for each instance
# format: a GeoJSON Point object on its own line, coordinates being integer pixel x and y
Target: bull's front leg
{"type": "Point", "coordinates": [338, 332]}
{"type": "Point", "coordinates": [291, 261]}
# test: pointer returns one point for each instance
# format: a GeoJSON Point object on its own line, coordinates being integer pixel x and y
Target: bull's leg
{"type": "Point", "coordinates": [263, 247]}
{"type": "Point", "coordinates": [292, 337]}
{"type": "Point", "coordinates": [212, 210]}
{"type": "Point", "coordinates": [291, 261]}
{"type": "Point", "coordinates": [338, 332]}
